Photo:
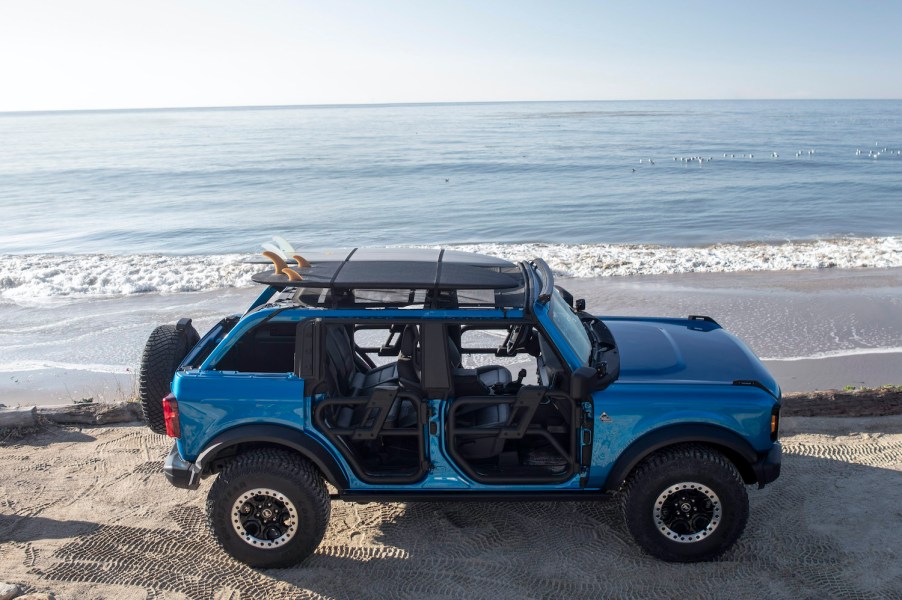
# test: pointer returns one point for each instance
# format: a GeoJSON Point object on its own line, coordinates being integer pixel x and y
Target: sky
{"type": "Point", "coordinates": [98, 54]}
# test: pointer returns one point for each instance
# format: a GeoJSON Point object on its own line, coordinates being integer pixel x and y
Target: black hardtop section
{"type": "Point", "coordinates": [402, 254]}
{"type": "Point", "coordinates": [398, 268]}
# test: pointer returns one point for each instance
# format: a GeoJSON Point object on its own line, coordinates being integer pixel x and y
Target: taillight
{"type": "Point", "coordinates": [775, 422]}
{"type": "Point", "coordinates": [171, 416]}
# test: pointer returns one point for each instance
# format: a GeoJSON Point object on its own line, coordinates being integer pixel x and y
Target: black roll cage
{"type": "Point", "coordinates": [437, 382]}
{"type": "Point", "coordinates": [523, 407]}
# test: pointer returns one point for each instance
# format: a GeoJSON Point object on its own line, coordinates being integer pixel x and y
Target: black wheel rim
{"type": "Point", "coordinates": [264, 518]}
{"type": "Point", "coordinates": [687, 512]}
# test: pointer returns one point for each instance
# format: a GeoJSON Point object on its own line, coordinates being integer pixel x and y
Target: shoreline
{"type": "Point", "coordinates": [817, 329]}
{"type": "Point", "coordinates": [24, 276]}
{"type": "Point", "coordinates": [831, 373]}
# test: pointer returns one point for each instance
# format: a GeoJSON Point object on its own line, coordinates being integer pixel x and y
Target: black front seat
{"type": "Point", "coordinates": [474, 382]}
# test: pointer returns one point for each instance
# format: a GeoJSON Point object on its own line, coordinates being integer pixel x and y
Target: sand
{"type": "Point", "coordinates": [88, 514]}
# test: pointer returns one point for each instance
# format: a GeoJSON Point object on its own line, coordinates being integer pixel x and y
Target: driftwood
{"type": "Point", "coordinates": [863, 402]}
{"type": "Point", "coordinates": [91, 414]}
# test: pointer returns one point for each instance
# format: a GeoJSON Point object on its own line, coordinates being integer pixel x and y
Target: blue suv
{"type": "Point", "coordinates": [405, 374]}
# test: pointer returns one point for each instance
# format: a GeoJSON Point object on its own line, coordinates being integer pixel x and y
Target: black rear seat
{"type": "Point", "coordinates": [348, 380]}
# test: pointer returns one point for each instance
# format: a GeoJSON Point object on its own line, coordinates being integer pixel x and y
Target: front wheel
{"type": "Point", "coordinates": [268, 508]}
{"type": "Point", "coordinates": [685, 504]}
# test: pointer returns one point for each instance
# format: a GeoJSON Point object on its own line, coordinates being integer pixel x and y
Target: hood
{"type": "Point", "coordinates": [684, 350]}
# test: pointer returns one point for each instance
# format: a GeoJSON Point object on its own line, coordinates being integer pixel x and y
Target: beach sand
{"type": "Point", "coordinates": [86, 513]}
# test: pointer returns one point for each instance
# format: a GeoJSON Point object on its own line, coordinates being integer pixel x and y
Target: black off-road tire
{"type": "Point", "coordinates": [163, 353]}
{"type": "Point", "coordinates": [281, 478]}
{"type": "Point", "coordinates": [685, 476]}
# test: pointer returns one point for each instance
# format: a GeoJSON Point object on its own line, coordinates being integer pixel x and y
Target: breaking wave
{"type": "Point", "coordinates": [29, 277]}
{"type": "Point", "coordinates": [608, 260]}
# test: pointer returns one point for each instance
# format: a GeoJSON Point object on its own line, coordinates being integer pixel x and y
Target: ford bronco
{"type": "Point", "coordinates": [404, 375]}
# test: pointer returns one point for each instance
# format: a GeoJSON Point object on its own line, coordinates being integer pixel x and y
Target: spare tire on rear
{"type": "Point", "coordinates": [166, 348]}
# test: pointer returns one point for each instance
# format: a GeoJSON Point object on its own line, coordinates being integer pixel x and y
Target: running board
{"type": "Point", "coordinates": [464, 495]}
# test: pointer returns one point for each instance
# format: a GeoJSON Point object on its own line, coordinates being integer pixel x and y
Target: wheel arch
{"type": "Point", "coordinates": [233, 442]}
{"type": "Point", "coordinates": [737, 450]}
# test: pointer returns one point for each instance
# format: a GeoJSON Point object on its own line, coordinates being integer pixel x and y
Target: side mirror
{"type": "Point", "coordinates": [581, 383]}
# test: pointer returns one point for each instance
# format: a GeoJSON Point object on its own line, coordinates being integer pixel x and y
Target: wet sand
{"type": "Point", "coordinates": [859, 370]}
{"type": "Point", "coordinates": [828, 318]}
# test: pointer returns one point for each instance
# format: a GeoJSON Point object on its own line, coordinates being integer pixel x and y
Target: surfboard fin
{"type": "Point", "coordinates": [277, 261]}
{"type": "Point", "coordinates": [292, 274]}
{"type": "Point", "coordinates": [302, 262]}
{"type": "Point", "coordinates": [286, 248]}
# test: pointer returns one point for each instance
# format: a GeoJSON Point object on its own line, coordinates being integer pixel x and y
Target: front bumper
{"type": "Point", "coordinates": [767, 469]}
{"type": "Point", "coordinates": [180, 472]}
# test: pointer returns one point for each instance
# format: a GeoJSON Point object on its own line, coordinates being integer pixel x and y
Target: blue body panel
{"type": "Point", "coordinates": [211, 402]}
{"type": "Point", "coordinates": [632, 410]}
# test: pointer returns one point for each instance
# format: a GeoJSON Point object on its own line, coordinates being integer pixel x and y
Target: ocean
{"type": "Point", "coordinates": [114, 221]}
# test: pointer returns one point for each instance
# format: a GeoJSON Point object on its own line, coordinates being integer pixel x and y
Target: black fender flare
{"type": "Point", "coordinates": [737, 449]}
{"type": "Point", "coordinates": [275, 435]}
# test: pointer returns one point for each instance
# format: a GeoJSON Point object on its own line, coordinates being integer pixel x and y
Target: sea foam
{"type": "Point", "coordinates": [32, 277]}
{"type": "Point", "coordinates": [608, 260]}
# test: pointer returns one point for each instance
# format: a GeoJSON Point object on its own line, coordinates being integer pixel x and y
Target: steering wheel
{"type": "Point", "coordinates": [513, 339]}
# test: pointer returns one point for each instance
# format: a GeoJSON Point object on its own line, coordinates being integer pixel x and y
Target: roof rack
{"type": "Point", "coordinates": [392, 268]}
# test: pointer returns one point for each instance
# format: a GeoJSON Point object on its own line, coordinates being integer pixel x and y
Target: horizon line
{"type": "Point", "coordinates": [433, 103]}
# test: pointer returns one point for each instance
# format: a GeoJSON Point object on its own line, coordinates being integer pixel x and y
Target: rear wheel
{"type": "Point", "coordinates": [269, 508]}
{"type": "Point", "coordinates": [685, 504]}
{"type": "Point", "coordinates": [165, 349]}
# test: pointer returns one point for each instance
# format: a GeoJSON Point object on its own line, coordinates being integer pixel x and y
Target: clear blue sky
{"type": "Point", "coordinates": [78, 54]}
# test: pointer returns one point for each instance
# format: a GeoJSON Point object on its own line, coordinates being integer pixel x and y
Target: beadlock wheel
{"type": "Point", "coordinates": [268, 508]}
{"type": "Point", "coordinates": [264, 518]}
{"type": "Point", "coordinates": [685, 503]}
{"type": "Point", "coordinates": [687, 512]}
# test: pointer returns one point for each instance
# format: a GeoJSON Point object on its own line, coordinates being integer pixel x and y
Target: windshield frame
{"type": "Point", "coordinates": [570, 327]}
{"type": "Point", "coordinates": [569, 341]}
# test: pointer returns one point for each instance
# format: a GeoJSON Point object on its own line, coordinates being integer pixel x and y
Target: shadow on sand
{"type": "Point", "coordinates": [21, 528]}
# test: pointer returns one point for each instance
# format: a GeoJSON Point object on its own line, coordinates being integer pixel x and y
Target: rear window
{"type": "Point", "coordinates": [268, 348]}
